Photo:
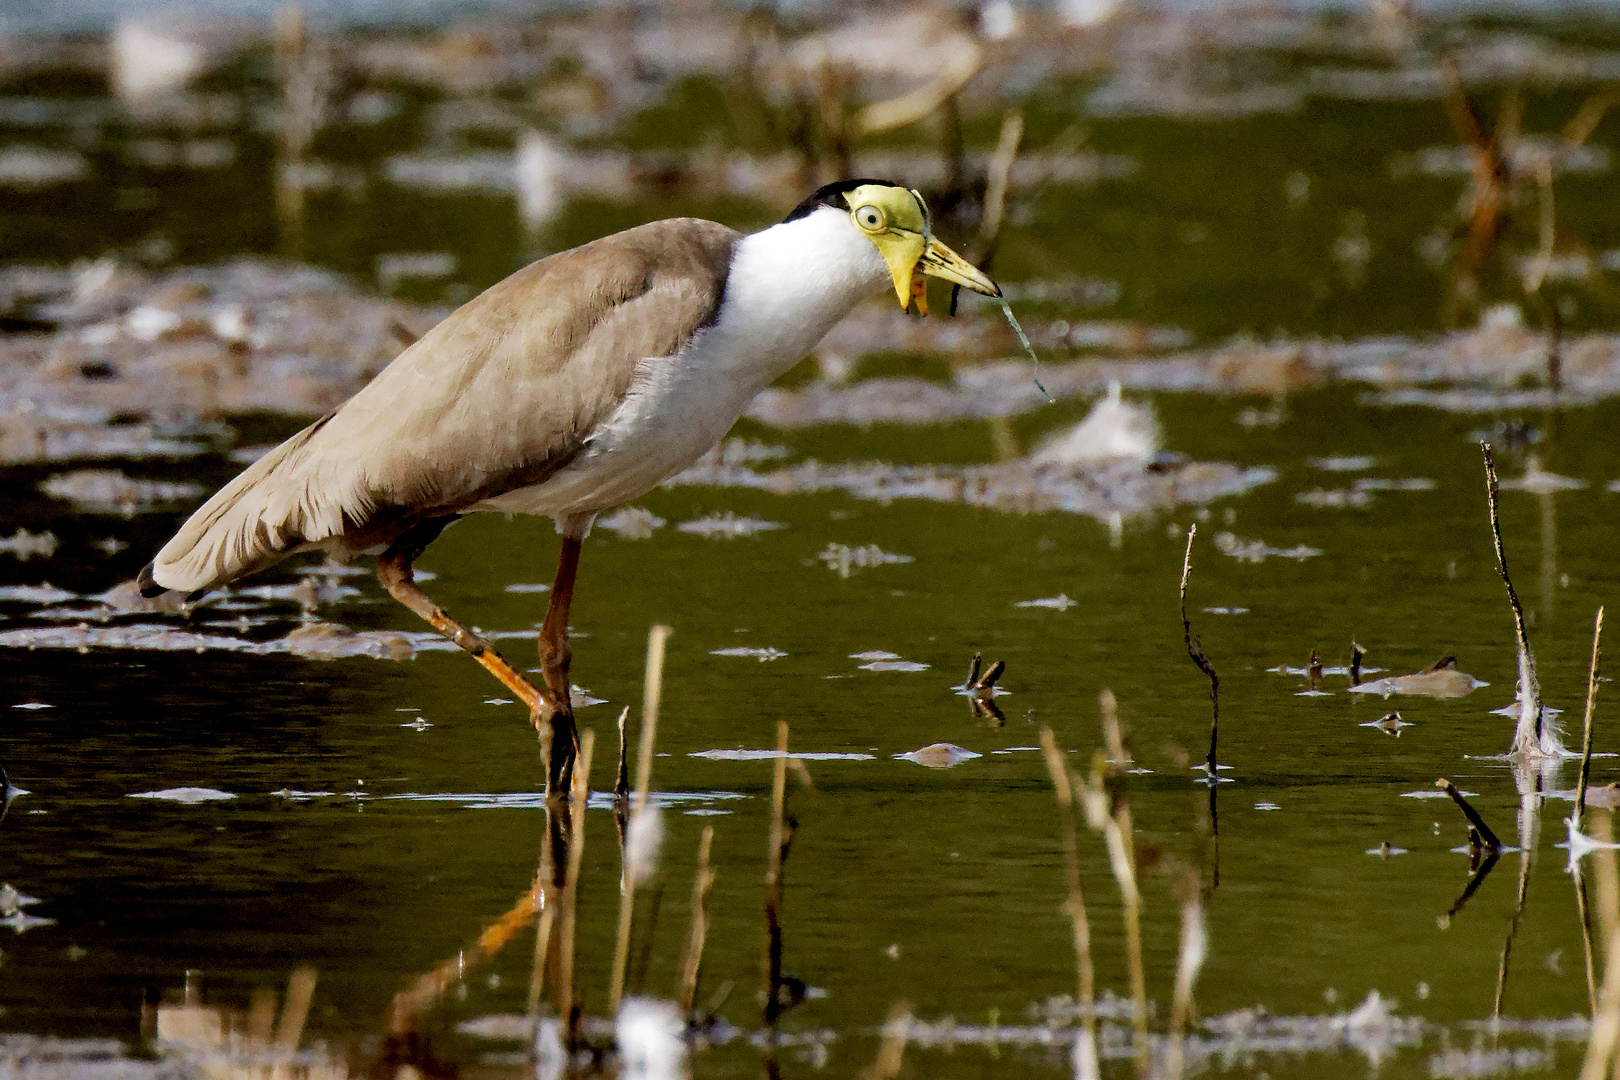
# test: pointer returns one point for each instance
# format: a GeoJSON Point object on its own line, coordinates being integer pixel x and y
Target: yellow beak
{"type": "Point", "coordinates": [911, 256]}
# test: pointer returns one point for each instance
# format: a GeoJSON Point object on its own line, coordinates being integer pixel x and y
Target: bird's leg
{"type": "Point", "coordinates": [555, 657]}
{"type": "Point", "coordinates": [395, 573]}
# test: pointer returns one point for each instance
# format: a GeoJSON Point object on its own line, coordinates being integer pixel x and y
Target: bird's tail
{"type": "Point", "coordinates": [252, 522]}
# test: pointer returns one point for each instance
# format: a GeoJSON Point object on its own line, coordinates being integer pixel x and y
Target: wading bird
{"type": "Point", "coordinates": [577, 384]}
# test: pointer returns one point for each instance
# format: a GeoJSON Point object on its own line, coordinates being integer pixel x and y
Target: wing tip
{"type": "Point", "coordinates": [148, 585]}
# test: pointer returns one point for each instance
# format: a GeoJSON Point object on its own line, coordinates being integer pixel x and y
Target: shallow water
{"type": "Point", "coordinates": [409, 837]}
{"type": "Point", "coordinates": [383, 805]}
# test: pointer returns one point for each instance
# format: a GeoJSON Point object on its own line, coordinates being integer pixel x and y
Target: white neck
{"type": "Point", "coordinates": [788, 285]}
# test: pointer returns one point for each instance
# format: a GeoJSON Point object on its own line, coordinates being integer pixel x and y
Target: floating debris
{"type": "Point", "coordinates": [1267, 806]}
{"type": "Point", "coordinates": [11, 901]}
{"type": "Point", "coordinates": [772, 755]}
{"type": "Point", "coordinates": [754, 653]}
{"type": "Point", "coordinates": [1349, 463]}
{"type": "Point", "coordinates": [632, 523]}
{"type": "Point", "coordinates": [527, 587]}
{"type": "Point", "coordinates": [841, 558]}
{"type": "Point", "coordinates": [1226, 611]}
{"type": "Point", "coordinates": [1439, 680]}
{"type": "Point", "coordinates": [1335, 498]}
{"type": "Point", "coordinates": [110, 491]}
{"type": "Point", "coordinates": [1538, 481]}
{"type": "Point", "coordinates": [728, 526]}
{"type": "Point", "coordinates": [941, 755]}
{"type": "Point", "coordinates": [24, 545]}
{"type": "Point", "coordinates": [20, 921]}
{"type": "Point", "coordinates": [1257, 551]}
{"type": "Point", "coordinates": [321, 641]}
{"type": "Point", "coordinates": [1103, 490]}
{"type": "Point", "coordinates": [32, 705]}
{"type": "Point", "coordinates": [894, 665]}
{"type": "Point", "coordinates": [43, 593]}
{"type": "Point", "coordinates": [874, 654]}
{"type": "Point", "coordinates": [1060, 602]}
{"type": "Point", "coordinates": [1389, 724]}
{"type": "Point", "coordinates": [186, 795]}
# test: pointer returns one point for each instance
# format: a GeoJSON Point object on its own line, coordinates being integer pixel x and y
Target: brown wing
{"type": "Point", "coordinates": [498, 396]}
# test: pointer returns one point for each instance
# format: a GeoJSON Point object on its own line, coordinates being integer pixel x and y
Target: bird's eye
{"type": "Point", "coordinates": [869, 218]}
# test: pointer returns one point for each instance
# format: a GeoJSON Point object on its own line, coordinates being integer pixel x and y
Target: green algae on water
{"type": "Point", "coordinates": [1035, 361]}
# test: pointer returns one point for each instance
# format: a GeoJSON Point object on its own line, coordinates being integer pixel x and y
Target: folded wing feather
{"type": "Point", "coordinates": [498, 396]}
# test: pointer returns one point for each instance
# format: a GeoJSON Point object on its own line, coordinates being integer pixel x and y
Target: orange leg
{"type": "Point", "coordinates": [395, 571]}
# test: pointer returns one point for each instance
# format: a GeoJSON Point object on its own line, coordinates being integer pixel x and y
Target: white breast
{"type": "Point", "coordinates": [787, 286]}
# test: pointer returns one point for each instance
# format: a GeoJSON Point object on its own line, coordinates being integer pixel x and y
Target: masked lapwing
{"type": "Point", "coordinates": [577, 384]}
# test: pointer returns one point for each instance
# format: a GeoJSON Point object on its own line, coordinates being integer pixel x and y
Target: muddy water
{"type": "Point", "coordinates": [383, 812]}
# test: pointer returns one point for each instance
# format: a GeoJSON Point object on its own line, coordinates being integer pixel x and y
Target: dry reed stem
{"type": "Point", "coordinates": [1195, 652]}
{"type": "Point", "coordinates": [697, 933]}
{"type": "Point", "coordinates": [1583, 910]}
{"type": "Point", "coordinates": [773, 878]}
{"type": "Point", "coordinates": [1529, 735]}
{"type": "Point", "coordinates": [261, 1018]}
{"type": "Point", "coordinates": [568, 912]}
{"type": "Point", "coordinates": [891, 1055]}
{"type": "Point", "coordinates": [1113, 731]}
{"type": "Point", "coordinates": [295, 1009]}
{"type": "Point", "coordinates": [1189, 960]}
{"type": "Point", "coordinates": [1608, 904]}
{"type": "Point", "coordinates": [881, 116]}
{"type": "Point", "coordinates": [1606, 1021]}
{"type": "Point", "coordinates": [1591, 706]}
{"type": "Point", "coordinates": [997, 180]}
{"type": "Point", "coordinates": [1121, 857]}
{"type": "Point", "coordinates": [652, 691]}
{"type": "Point", "coordinates": [1076, 902]}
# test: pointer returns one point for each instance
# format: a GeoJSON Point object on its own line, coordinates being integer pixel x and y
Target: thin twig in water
{"type": "Point", "coordinates": [1531, 737]}
{"type": "Point", "coordinates": [773, 879]}
{"type": "Point", "coordinates": [697, 933]}
{"type": "Point", "coordinates": [621, 783]}
{"type": "Point", "coordinates": [1591, 705]}
{"type": "Point", "coordinates": [1491, 843]}
{"type": "Point", "coordinates": [1195, 651]}
{"type": "Point", "coordinates": [1076, 902]}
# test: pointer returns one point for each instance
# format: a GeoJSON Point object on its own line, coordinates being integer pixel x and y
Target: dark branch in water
{"type": "Point", "coordinates": [781, 836]}
{"type": "Point", "coordinates": [1475, 880]}
{"type": "Point", "coordinates": [1591, 704]}
{"type": "Point", "coordinates": [1488, 838]}
{"type": "Point", "coordinates": [1527, 737]}
{"type": "Point", "coordinates": [1195, 651]}
{"type": "Point", "coordinates": [1357, 655]}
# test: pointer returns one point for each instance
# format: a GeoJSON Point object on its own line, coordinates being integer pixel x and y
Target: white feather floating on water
{"type": "Point", "coordinates": [1113, 429]}
{"type": "Point", "coordinates": [651, 1046]}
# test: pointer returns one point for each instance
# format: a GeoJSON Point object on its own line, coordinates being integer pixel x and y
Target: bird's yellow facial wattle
{"type": "Point", "coordinates": [896, 221]}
